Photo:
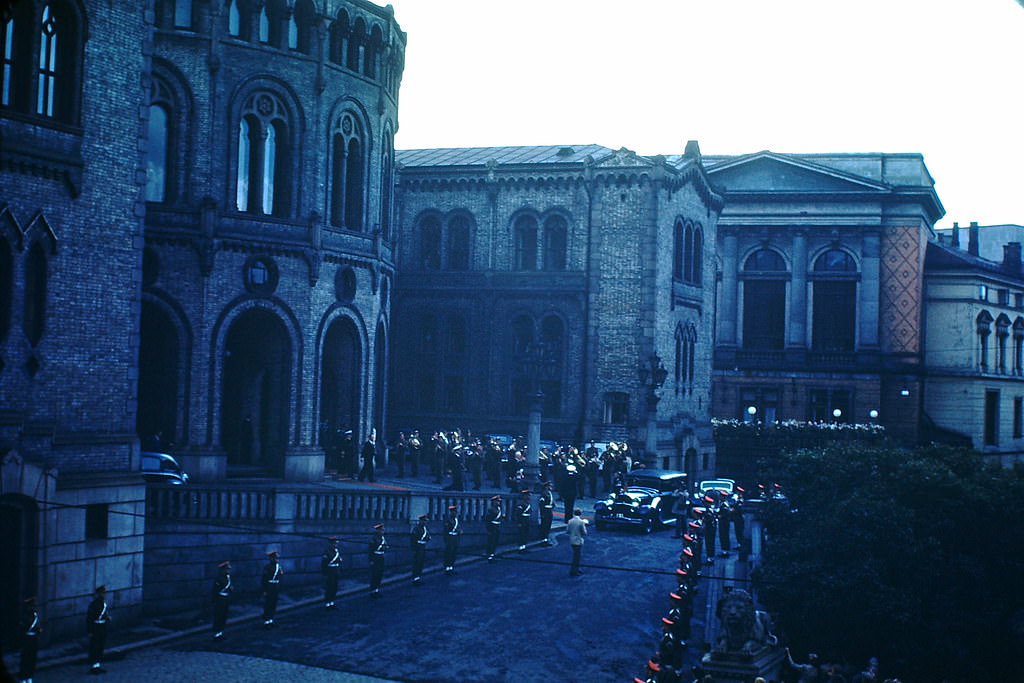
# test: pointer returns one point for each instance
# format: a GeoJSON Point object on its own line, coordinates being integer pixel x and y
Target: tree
{"type": "Point", "coordinates": [914, 556]}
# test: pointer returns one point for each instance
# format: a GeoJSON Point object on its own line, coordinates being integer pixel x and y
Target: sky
{"type": "Point", "coordinates": [942, 78]}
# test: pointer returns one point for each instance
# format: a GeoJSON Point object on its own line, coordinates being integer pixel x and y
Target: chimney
{"type": "Point", "coordinates": [972, 239]}
{"type": "Point", "coordinates": [1011, 258]}
{"type": "Point", "coordinates": [956, 236]}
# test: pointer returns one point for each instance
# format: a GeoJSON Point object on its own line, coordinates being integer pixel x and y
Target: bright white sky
{"type": "Point", "coordinates": [939, 77]}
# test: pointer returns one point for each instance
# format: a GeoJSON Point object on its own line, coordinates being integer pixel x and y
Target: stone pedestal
{"type": "Point", "coordinates": [734, 666]}
{"type": "Point", "coordinates": [304, 463]}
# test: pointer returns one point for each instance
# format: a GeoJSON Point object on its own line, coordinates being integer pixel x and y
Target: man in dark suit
{"type": "Point", "coordinates": [368, 455]}
{"type": "Point", "coordinates": [330, 567]}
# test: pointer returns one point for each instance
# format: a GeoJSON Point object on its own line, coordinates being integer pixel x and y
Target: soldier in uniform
{"type": "Point", "coordinates": [670, 650]}
{"type": "Point", "coordinates": [378, 546]}
{"type": "Point", "coordinates": [30, 630]}
{"type": "Point", "coordinates": [523, 514]}
{"type": "Point", "coordinates": [330, 567]}
{"type": "Point", "coordinates": [738, 523]}
{"type": "Point", "coordinates": [221, 594]}
{"type": "Point", "coordinates": [415, 449]}
{"type": "Point", "coordinates": [724, 522]}
{"type": "Point", "coordinates": [420, 538]}
{"type": "Point", "coordinates": [452, 531]}
{"type": "Point", "coordinates": [492, 520]}
{"type": "Point", "coordinates": [400, 453]}
{"type": "Point", "coordinates": [97, 618]}
{"type": "Point", "coordinates": [270, 586]}
{"type": "Point", "coordinates": [368, 455]}
{"type": "Point", "coordinates": [546, 502]}
{"type": "Point", "coordinates": [710, 523]}
{"type": "Point", "coordinates": [680, 613]}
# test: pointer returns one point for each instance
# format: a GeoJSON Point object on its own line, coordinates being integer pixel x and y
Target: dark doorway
{"type": "Point", "coordinates": [18, 516]}
{"type": "Point", "coordinates": [339, 378]}
{"type": "Point", "coordinates": [156, 421]}
{"type": "Point", "coordinates": [256, 396]}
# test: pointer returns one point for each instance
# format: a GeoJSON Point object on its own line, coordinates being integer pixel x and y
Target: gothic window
{"type": "Point", "coordinates": [36, 278]}
{"type": "Point", "coordinates": [156, 153]}
{"type": "Point", "coordinates": [687, 252]}
{"type": "Point", "coordinates": [262, 185]}
{"type": "Point", "coordinates": [691, 354]}
{"type": "Point", "coordinates": [272, 18]}
{"type": "Point", "coordinates": [680, 363]}
{"type": "Point", "coordinates": [833, 327]}
{"type": "Point", "coordinates": [293, 32]}
{"type": "Point", "coordinates": [552, 332]}
{"type": "Point", "coordinates": [430, 242]}
{"type": "Point", "coordinates": [336, 42]}
{"type": "Point", "coordinates": [264, 25]}
{"type": "Point", "coordinates": [458, 242]}
{"type": "Point", "coordinates": [764, 301]}
{"type": "Point", "coordinates": [1002, 335]}
{"type": "Point", "coordinates": [387, 182]}
{"type": "Point", "coordinates": [58, 63]}
{"type": "Point", "coordinates": [15, 22]}
{"type": "Point", "coordinates": [234, 19]}
{"type": "Point", "coordinates": [347, 173]}
{"type": "Point", "coordinates": [525, 236]}
{"type": "Point", "coordinates": [372, 53]}
{"type": "Point", "coordinates": [305, 21]}
{"type": "Point", "coordinates": [6, 288]}
{"type": "Point", "coordinates": [697, 274]}
{"type": "Point", "coordinates": [555, 242]}
{"type": "Point", "coordinates": [678, 239]}
{"type": "Point", "coordinates": [983, 328]}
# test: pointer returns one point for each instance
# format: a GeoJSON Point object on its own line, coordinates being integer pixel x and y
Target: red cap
{"type": "Point", "coordinates": [525, 491]}
{"type": "Point", "coordinates": [424, 516]}
{"type": "Point", "coordinates": [653, 665]}
{"type": "Point", "coordinates": [667, 621]}
{"type": "Point", "coordinates": [496, 497]}
{"type": "Point", "coordinates": [29, 601]}
{"type": "Point", "coordinates": [708, 498]}
{"type": "Point", "coordinates": [682, 572]}
{"type": "Point", "coordinates": [333, 538]}
{"type": "Point", "coordinates": [687, 552]}
{"type": "Point", "coordinates": [271, 553]}
{"type": "Point", "coordinates": [675, 596]}
{"type": "Point", "coordinates": [379, 525]}
{"type": "Point", "coordinates": [688, 538]}
{"type": "Point", "coordinates": [698, 511]}
{"type": "Point", "coordinates": [741, 489]}
{"type": "Point", "coordinates": [223, 564]}
{"type": "Point", "coordinates": [453, 507]}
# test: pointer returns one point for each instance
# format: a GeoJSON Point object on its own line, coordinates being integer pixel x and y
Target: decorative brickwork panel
{"type": "Point", "coordinates": [901, 267]}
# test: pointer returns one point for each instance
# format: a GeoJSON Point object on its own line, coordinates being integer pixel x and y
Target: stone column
{"type": "Point", "coordinates": [532, 471]}
{"type": "Point", "coordinates": [797, 333]}
{"type": "Point", "coordinates": [728, 320]}
{"type": "Point", "coordinates": [868, 301]}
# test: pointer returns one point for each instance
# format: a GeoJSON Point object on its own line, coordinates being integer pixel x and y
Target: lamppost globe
{"type": "Point", "coordinates": [751, 410]}
{"type": "Point", "coordinates": [873, 414]}
{"type": "Point", "coordinates": [837, 413]}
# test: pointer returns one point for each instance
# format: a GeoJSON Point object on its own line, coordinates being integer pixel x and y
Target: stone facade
{"type": "Point", "coordinates": [820, 299]}
{"type": "Point", "coordinates": [558, 268]}
{"type": "Point", "coordinates": [974, 347]}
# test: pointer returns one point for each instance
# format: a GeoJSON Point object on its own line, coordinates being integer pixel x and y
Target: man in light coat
{"type": "Point", "coordinates": [576, 529]}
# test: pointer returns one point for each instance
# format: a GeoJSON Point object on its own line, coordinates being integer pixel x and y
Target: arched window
{"type": "Point", "coordinates": [458, 242]}
{"type": "Point", "coordinates": [264, 25]}
{"type": "Point", "coordinates": [430, 242]}
{"type": "Point", "coordinates": [273, 17]}
{"type": "Point", "coordinates": [686, 350]}
{"type": "Point", "coordinates": [15, 23]}
{"type": "Point", "coordinates": [293, 32]}
{"type": "Point", "coordinates": [520, 385]}
{"type": "Point", "coordinates": [347, 173]}
{"type": "Point", "coordinates": [387, 185]}
{"type": "Point", "coordinates": [182, 13]}
{"type": "Point", "coordinates": [36, 278]}
{"type": "Point", "coordinates": [1002, 336]}
{"type": "Point", "coordinates": [234, 19]}
{"type": "Point", "coordinates": [697, 276]}
{"type": "Point", "coordinates": [551, 366]}
{"type": "Point", "coordinates": [59, 63]}
{"type": "Point", "coordinates": [355, 45]}
{"type": "Point", "coordinates": [833, 327]}
{"type": "Point", "coordinates": [338, 34]}
{"type": "Point", "coordinates": [156, 153]}
{"type": "Point", "coordinates": [678, 240]}
{"type": "Point", "coordinates": [764, 301]}
{"type": "Point", "coordinates": [555, 242]}
{"type": "Point", "coordinates": [6, 288]}
{"type": "Point", "coordinates": [372, 53]}
{"type": "Point", "coordinates": [262, 185]}
{"type": "Point", "coordinates": [304, 19]}
{"type": "Point", "coordinates": [983, 327]}
{"type": "Point", "coordinates": [688, 253]}
{"type": "Point", "coordinates": [525, 236]}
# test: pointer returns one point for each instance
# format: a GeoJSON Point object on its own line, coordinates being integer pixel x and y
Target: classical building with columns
{"type": "Point", "coordinates": [819, 296]}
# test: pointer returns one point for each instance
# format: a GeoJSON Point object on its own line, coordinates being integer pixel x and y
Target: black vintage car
{"type": "Point", "coordinates": [646, 502]}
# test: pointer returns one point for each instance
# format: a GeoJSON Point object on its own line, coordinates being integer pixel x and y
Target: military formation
{"type": "Point", "coordinates": [718, 514]}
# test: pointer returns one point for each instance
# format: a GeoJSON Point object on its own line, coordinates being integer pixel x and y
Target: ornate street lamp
{"type": "Point", "coordinates": [537, 361]}
{"type": "Point", "coordinates": [652, 375]}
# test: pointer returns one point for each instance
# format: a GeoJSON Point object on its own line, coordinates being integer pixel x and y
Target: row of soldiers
{"type": "Point", "coordinates": [697, 527]}
{"type": "Point", "coordinates": [97, 616]}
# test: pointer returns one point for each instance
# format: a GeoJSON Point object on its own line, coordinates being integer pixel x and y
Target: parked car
{"type": "Point", "coordinates": [727, 485]}
{"type": "Point", "coordinates": [646, 502]}
{"type": "Point", "coordinates": [162, 468]}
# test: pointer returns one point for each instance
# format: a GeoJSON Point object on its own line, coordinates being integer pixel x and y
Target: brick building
{"type": "Point", "coordinates": [195, 253]}
{"type": "Point", "coordinates": [563, 269]}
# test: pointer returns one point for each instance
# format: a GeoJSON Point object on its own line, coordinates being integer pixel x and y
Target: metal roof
{"type": "Point", "coordinates": [479, 156]}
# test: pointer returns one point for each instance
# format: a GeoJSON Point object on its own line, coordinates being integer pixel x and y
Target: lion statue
{"type": "Point", "coordinates": [744, 629]}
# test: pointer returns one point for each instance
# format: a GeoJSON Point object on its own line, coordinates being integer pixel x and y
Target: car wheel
{"type": "Point", "coordinates": [648, 525]}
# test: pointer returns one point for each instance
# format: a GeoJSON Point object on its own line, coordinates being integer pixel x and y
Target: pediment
{"type": "Point", "coordinates": [767, 172]}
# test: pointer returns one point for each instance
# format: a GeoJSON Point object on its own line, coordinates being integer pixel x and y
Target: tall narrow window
{"type": "Point", "coordinates": [47, 63]}
{"type": "Point", "coordinates": [616, 408]}
{"type": "Point", "coordinates": [430, 243]}
{"type": "Point", "coordinates": [264, 26]}
{"type": "Point", "coordinates": [698, 256]}
{"type": "Point", "coordinates": [336, 46]}
{"type": "Point", "coordinates": [269, 165]}
{"type": "Point", "coordinates": [293, 32]}
{"type": "Point", "coordinates": [551, 364]}
{"type": "Point", "coordinates": [1002, 336]}
{"type": "Point", "coordinates": [156, 154]}
{"type": "Point", "coordinates": [991, 418]}
{"type": "Point", "coordinates": [183, 13]}
{"type": "Point", "coordinates": [234, 19]}
{"type": "Point", "coordinates": [36, 276]}
{"type": "Point", "coordinates": [244, 160]}
{"type": "Point", "coordinates": [555, 242]}
{"type": "Point", "coordinates": [525, 236]}
{"type": "Point", "coordinates": [387, 182]}
{"type": "Point", "coordinates": [355, 42]}
{"type": "Point", "coordinates": [354, 185]}
{"type": "Point", "coordinates": [833, 327]}
{"type": "Point", "coordinates": [1018, 417]}
{"type": "Point", "coordinates": [678, 242]}
{"type": "Point", "coordinates": [458, 242]}
{"type": "Point", "coordinates": [16, 64]}
{"type": "Point", "coordinates": [305, 27]}
{"type": "Point", "coordinates": [688, 253]}
{"type": "Point", "coordinates": [983, 328]}
{"type": "Point", "coordinates": [347, 173]}
{"type": "Point", "coordinates": [764, 301]}
{"type": "Point", "coordinates": [1018, 346]}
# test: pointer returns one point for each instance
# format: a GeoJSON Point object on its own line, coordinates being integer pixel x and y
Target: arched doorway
{"type": "Point", "coordinates": [256, 395]}
{"type": "Point", "coordinates": [18, 521]}
{"type": "Point", "coordinates": [156, 420]}
{"type": "Point", "coordinates": [340, 372]}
